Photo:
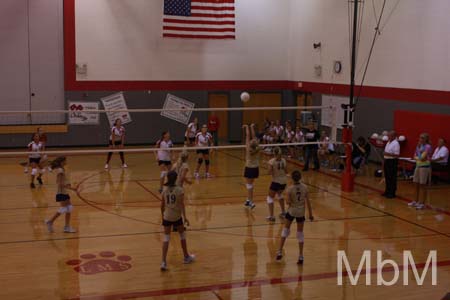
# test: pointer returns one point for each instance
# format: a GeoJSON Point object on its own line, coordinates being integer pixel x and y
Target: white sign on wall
{"type": "Point", "coordinates": [116, 102]}
{"type": "Point", "coordinates": [79, 116]}
{"type": "Point", "coordinates": [333, 117]}
{"type": "Point", "coordinates": [172, 102]}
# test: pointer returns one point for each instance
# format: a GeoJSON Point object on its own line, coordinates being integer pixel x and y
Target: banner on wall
{"type": "Point", "coordinates": [79, 116]}
{"type": "Point", "coordinates": [333, 117]}
{"type": "Point", "coordinates": [116, 102]}
{"type": "Point", "coordinates": [173, 102]}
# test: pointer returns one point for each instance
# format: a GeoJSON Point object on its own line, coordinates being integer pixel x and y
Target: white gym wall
{"type": "Point", "coordinates": [121, 40]}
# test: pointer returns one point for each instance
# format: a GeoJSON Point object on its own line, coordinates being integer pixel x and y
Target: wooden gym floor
{"type": "Point", "coordinates": [116, 252]}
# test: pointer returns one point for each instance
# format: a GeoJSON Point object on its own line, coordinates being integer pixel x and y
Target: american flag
{"type": "Point", "coordinates": [200, 19]}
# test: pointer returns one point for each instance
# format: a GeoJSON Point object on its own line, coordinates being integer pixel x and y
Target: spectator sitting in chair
{"type": "Point", "coordinates": [439, 160]}
{"type": "Point", "coordinates": [360, 153]}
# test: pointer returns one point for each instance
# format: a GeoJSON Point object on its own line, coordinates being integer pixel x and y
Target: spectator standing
{"type": "Point", "coordinates": [311, 136]}
{"type": "Point", "coordinates": [213, 127]}
{"type": "Point", "coordinates": [422, 173]}
{"type": "Point", "coordinates": [391, 154]}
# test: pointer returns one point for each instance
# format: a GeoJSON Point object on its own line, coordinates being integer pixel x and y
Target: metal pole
{"type": "Point", "coordinates": [348, 181]}
{"type": "Point", "coordinates": [353, 62]}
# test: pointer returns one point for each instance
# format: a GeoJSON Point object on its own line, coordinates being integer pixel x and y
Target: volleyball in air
{"type": "Point", "coordinates": [245, 97]}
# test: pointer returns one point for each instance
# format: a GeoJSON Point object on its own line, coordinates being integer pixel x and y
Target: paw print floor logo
{"type": "Point", "coordinates": [105, 261]}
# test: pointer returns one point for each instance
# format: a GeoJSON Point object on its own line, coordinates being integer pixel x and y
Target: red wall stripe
{"type": "Point", "coordinates": [71, 84]}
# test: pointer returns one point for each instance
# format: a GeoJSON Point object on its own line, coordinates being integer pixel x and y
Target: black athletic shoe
{"type": "Point", "coordinates": [32, 185]}
{"type": "Point", "coordinates": [279, 255]}
{"type": "Point", "coordinates": [300, 260]}
{"type": "Point", "coordinates": [39, 179]}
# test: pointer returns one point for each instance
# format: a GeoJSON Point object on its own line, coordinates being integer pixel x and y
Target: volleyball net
{"type": "Point", "coordinates": [83, 130]}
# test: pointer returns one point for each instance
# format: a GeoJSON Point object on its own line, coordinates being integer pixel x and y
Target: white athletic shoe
{"type": "Point", "coordinates": [50, 169]}
{"type": "Point", "coordinates": [270, 219]}
{"type": "Point", "coordinates": [196, 175]}
{"type": "Point", "coordinates": [124, 166]}
{"type": "Point", "coordinates": [163, 266]}
{"type": "Point", "coordinates": [49, 226]}
{"type": "Point", "coordinates": [420, 206]}
{"type": "Point", "coordinates": [189, 259]}
{"type": "Point", "coordinates": [68, 229]}
{"type": "Point", "coordinates": [208, 175]}
{"type": "Point", "coordinates": [414, 203]}
{"type": "Point", "coordinates": [106, 166]}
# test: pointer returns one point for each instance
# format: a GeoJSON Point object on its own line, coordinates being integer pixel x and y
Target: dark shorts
{"type": "Point", "coordinates": [34, 160]}
{"type": "Point", "coordinates": [177, 223]}
{"type": "Point", "coordinates": [191, 139]}
{"type": "Point", "coordinates": [203, 151]}
{"type": "Point", "coordinates": [297, 219]}
{"type": "Point", "coordinates": [116, 143]}
{"type": "Point", "coordinates": [164, 162]}
{"type": "Point", "coordinates": [251, 173]}
{"type": "Point", "coordinates": [62, 197]}
{"type": "Point", "coordinates": [276, 187]}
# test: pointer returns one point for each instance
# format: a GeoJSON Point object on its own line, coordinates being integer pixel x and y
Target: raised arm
{"type": "Point", "coordinates": [252, 127]}
{"type": "Point", "coordinates": [247, 135]}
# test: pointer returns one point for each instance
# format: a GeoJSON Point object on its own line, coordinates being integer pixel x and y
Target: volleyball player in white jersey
{"type": "Point", "coordinates": [164, 157]}
{"type": "Point", "coordinates": [182, 169]}
{"type": "Point", "coordinates": [278, 170]}
{"type": "Point", "coordinates": [251, 171]}
{"type": "Point", "coordinates": [173, 213]}
{"type": "Point", "coordinates": [297, 199]}
{"type": "Point", "coordinates": [191, 132]}
{"type": "Point", "coordinates": [117, 140]}
{"type": "Point", "coordinates": [203, 139]}
{"type": "Point", "coordinates": [34, 160]}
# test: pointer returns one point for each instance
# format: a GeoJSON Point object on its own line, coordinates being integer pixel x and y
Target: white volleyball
{"type": "Point", "coordinates": [402, 138]}
{"type": "Point", "coordinates": [245, 97]}
{"type": "Point", "coordinates": [385, 138]}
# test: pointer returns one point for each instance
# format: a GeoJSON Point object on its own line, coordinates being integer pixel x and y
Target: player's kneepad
{"type": "Point", "coordinates": [269, 200]}
{"type": "Point", "coordinates": [249, 186]}
{"type": "Point", "coordinates": [183, 235]}
{"type": "Point", "coordinates": [200, 161]}
{"type": "Point", "coordinates": [300, 236]}
{"type": "Point", "coordinates": [285, 232]}
{"type": "Point", "coordinates": [69, 208]}
{"type": "Point", "coordinates": [62, 210]}
{"type": "Point", "coordinates": [166, 238]}
{"type": "Point", "coordinates": [34, 171]}
{"type": "Point", "coordinates": [163, 174]}
{"type": "Point", "coordinates": [207, 162]}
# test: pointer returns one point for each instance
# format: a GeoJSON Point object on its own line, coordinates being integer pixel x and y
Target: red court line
{"type": "Point", "coordinates": [148, 190]}
{"type": "Point", "coordinates": [239, 284]}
